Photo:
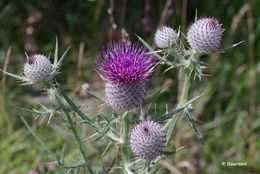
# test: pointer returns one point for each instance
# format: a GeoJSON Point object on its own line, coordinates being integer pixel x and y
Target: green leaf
{"type": "Point", "coordinates": [105, 129]}
{"type": "Point", "coordinates": [155, 52]}
{"type": "Point", "coordinates": [108, 147]}
{"type": "Point", "coordinates": [63, 56]}
{"type": "Point", "coordinates": [22, 79]}
{"type": "Point", "coordinates": [149, 47]}
{"type": "Point", "coordinates": [155, 95]}
{"type": "Point", "coordinates": [167, 153]}
{"type": "Point", "coordinates": [57, 63]}
{"type": "Point", "coordinates": [170, 115]}
{"type": "Point", "coordinates": [170, 128]}
{"type": "Point", "coordinates": [194, 126]}
{"type": "Point", "coordinates": [34, 111]}
{"type": "Point", "coordinates": [76, 109]}
{"type": "Point", "coordinates": [94, 96]}
{"type": "Point", "coordinates": [174, 112]}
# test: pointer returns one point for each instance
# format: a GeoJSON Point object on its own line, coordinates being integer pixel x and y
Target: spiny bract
{"type": "Point", "coordinates": [37, 67]}
{"type": "Point", "coordinates": [165, 36]}
{"type": "Point", "coordinates": [204, 35]}
{"type": "Point", "coordinates": [147, 139]}
{"type": "Point", "coordinates": [126, 68]}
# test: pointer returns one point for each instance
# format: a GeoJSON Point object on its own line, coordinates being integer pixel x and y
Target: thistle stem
{"type": "Point", "coordinates": [77, 138]}
{"type": "Point", "coordinates": [183, 97]}
{"type": "Point", "coordinates": [184, 93]}
{"type": "Point", "coordinates": [124, 143]}
{"type": "Point", "coordinates": [73, 129]}
{"type": "Point", "coordinates": [185, 88]}
{"type": "Point", "coordinates": [182, 100]}
{"type": "Point", "coordinates": [125, 132]}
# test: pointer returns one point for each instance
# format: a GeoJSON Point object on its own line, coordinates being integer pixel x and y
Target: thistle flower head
{"type": "Point", "coordinates": [37, 67]}
{"type": "Point", "coordinates": [204, 35]}
{"type": "Point", "coordinates": [123, 97]}
{"type": "Point", "coordinates": [147, 139]}
{"type": "Point", "coordinates": [165, 36]}
{"type": "Point", "coordinates": [125, 63]}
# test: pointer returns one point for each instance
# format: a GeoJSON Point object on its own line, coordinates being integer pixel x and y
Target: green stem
{"type": "Point", "coordinates": [125, 133]}
{"type": "Point", "coordinates": [186, 77]}
{"type": "Point", "coordinates": [185, 88]}
{"type": "Point", "coordinates": [182, 100]}
{"type": "Point", "coordinates": [184, 94]}
{"type": "Point", "coordinates": [77, 138]}
{"type": "Point", "coordinates": [124, 143]}
{"type": "Point", "coordinates": [73, 129]}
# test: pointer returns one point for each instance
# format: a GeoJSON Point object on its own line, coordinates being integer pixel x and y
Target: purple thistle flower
{"type": "Point", "coordinates": [147, 139]}
{"type": "Point", "coordinates": [126, 68]}
{"type": "Point", "coordinates": [125, 63]}
{"type": "Point", "coordinates": [204, 35]}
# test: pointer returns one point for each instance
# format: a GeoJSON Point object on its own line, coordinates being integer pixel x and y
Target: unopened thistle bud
{"type": "Point", "coordinates": [147, 139]}
{"type": "Point", "coordinates": [204, 35]}
{"type": "Point", "coordinates": [37, 67]}
{"type": "Point", "coordinates": [165, 36]}
{"type": "Point", "coordinates": [126, 68]}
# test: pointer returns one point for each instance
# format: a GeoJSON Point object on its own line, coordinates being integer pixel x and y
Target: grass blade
{"type": "Point", "coordinates": [56, 52]}
{"type": "Point", "coordinates": [232, 46]}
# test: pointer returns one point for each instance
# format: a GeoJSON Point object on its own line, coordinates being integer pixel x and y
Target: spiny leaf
{"type": "Point", "coordinates": [155, 95]}
{"type": "Point", "coordinates": [149, 47]}
{"type": "Point", "coordinates": [34, 111]}
{"type": "Point", "coordinates": [76, 109]}
{"type": "Point", "coordinates": [44, 146]}
{"type": "Point", "coordinates": [170, 128]}
{"type": "Point", "coordinates": [167, 153]}
{"type": "Point", "coordinates": [63, 56]}
{"type": "Point", "coordinates": [94, 96]}
{"type": "Point", "coordinates": [194, 126]}
{"type": "Point", "coordinates": [174, 112]}
{"type": "Point", "coordinates": [155, 52]}
{"type": "Point", "coordinates": [108, 147]}
{"type": "Point", "coordinates": [22, 79]}
{"type": "Point", "coordinates": [57, 63]}
{"type": "Point", "coordinates": [170, 115]}
{"type": "Point", "coordinates": [105, 129]}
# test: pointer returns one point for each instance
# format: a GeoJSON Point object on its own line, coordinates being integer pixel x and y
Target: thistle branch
{"type": "Point", "coordinates": [184, 95]}
{"type": "Point", "coordinates": [182, 100]}
{"type": "Point", "coordinates": [74, 131]}
{"type": "Point", "coordinates": [77, 138]}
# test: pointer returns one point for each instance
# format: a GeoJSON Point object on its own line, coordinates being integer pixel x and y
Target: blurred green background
{"type": "Point", "coordinates": [229, 109]}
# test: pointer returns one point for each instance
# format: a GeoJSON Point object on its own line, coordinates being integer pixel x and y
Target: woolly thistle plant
{"type": "Point", "coordinates": [165, 36]}
{"type": "Point", "coordinates": [126, 69]}
{"type": "Point", "coordinates": [204, 35]}
{"type": "Point", "coordinates": [147, 139]}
